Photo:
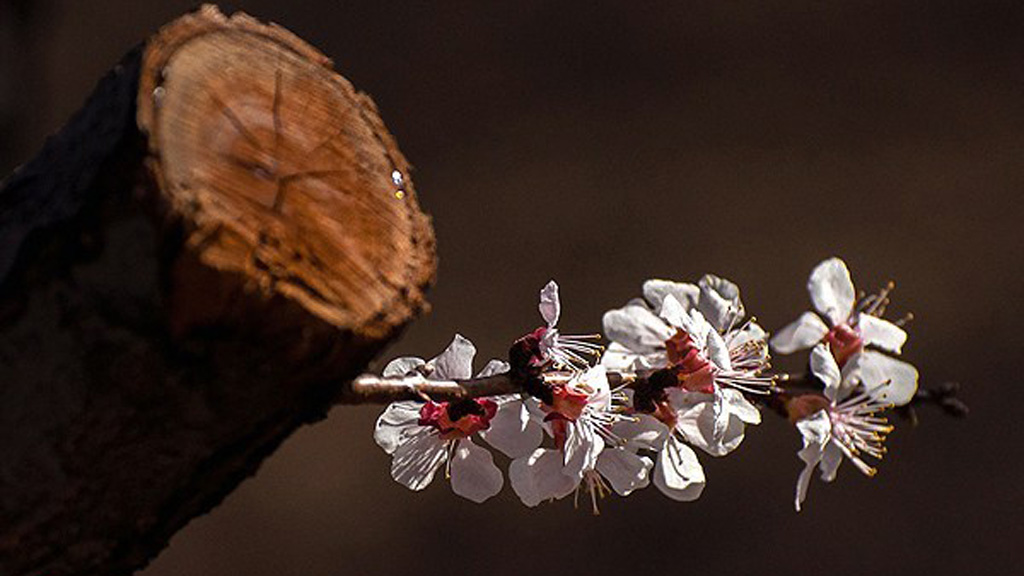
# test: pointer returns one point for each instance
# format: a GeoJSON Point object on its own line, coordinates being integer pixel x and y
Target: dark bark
{"type": "Point", "coordinates": [163, 327]}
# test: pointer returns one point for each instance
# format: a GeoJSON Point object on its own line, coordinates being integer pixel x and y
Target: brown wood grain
{"type": "Point", "coordinates": [198, 263]}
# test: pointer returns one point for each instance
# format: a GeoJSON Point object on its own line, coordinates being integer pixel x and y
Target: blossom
{"type": "Point", "coordinates": [848, 327]}
{"type": "Point", "coordinates": [596, 444]}
{"type": "Point", "coordinates": [640, 331]}
{"type": "Point", "coordinates": [841, 423]}
{"type": "Point", "coordinates": [712, 370]}
{"type": "Point", "coordinates": [423, 437]}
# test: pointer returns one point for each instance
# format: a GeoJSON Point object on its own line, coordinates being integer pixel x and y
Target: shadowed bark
{"type": "Point", "coordinates": [195, 265]}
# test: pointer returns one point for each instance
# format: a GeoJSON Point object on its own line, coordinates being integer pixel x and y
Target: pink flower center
{"type": "Point", "coordinates": [559, 429]}
{"type": "Point", "coordinates": [458, 419]}
{"type": "Point", "coordinates": [567, 406]}
{"type": "Point", "coordinates": [693, 371]}
{"type": "Point", "coordinates": [567, 403]}
{"type": "Point", "coordinates": [844, 342]}
{"type": "Point", "coordinates": [800, 407]}
{"type": "Point", "coordinates": [526, 353]}
{"type": "Point", "coordinates": [665, 414]}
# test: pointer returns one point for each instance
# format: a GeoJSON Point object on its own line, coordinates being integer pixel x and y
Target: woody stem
{"type": "Point", "coordinates": [370, 389]}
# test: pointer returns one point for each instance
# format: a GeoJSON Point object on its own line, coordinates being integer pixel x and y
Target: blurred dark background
{"type": "Point", "coordinates": [603, 143]}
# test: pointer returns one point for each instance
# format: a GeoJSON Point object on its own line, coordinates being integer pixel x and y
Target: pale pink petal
{"type": "Point", "coordinates": [673, 312]}
{"type": "Point", "coordinates": [618, 358]}
{"type": "Point", "coordinates": [653, 361]}
{"type": "Point", "coordinates": [815, 431]}
{"type": "Point", "coordinates": [396, 424]}
{"type": "Point", "coordinates": [882, 333]}
{"type": "Point", "coordinates": [474, 475]}
{"type": "Point", "coordinates": [513, 431]}
{"type": "Point", "coordinates": [696, 326]}
{"type": "Point", "coordinates": [831, 458]}
{"type": "Point", "coordinates": [456, 362]}
{"type": "Point", "coordinates": [695, 417]}
{"type": "Point", "coordinates": [493, 367]}
{"type": "Point", "coordinates": [740, 407]}
{"type": "Point", "coordinates": [707, 422]}
{"type": "Point", "coordinates": [538, 477]}
{"type": "Point", "coordinates": [805, 332]}
{"type": "Point", "coordinates": [636, 328]}
{"type": "Point", "coordinates": [824, 367]}
{"type": "Point", "coordinates": [595, 379]}
{"type": "Point", "coordinates": [415, 461]}
{"type": "Point", "coordinates": [885, 378]}
{"type": "Point", "coordinates": [656, 290]}
{"type": "Point", "coordinates": [642, 432]}
{"type": "Point", "coordinates": [751, 332]}
{"type": "Point", "coordinates": [832, 290]}
{"type": "Point", "coordinates": [403, 366]}
{"type": "Point", "coordinates": [718, 352]}
{"type": "Point", "coordinates": [582, 447]}
{"type": "Point", "coordinates": [720, 302]}
{"type": "Point", "coordinates": [624, 470]}
{"type": "Point", "coordinates": [678, 473]}
{"type": "Point", "coordinates": [550, 306]}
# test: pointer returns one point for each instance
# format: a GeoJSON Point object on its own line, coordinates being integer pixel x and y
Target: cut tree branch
{"type": "Point", "coordinates": [194, 266]}
{"type": "Point", "coordinates": [372, 389]}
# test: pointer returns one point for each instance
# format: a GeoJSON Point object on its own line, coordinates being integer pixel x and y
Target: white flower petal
{"type": "Point", "coordinates": [403, 366]}
{"type": "Point", "coordinates": [636, 328]}
{"type": "Point", "coordinates": [673, 312]}
{"type": "Point", "coordinates": [882, 333]}
{"type": "Point", "coordinates": [618, 358]}
{"type": "Point", "coordinates": [550, 307]}
{"type": "Point", "coordinates": [653, 361]}
{"type": "Point", "coordinates": [886, 379]}
{"type": "Point", "coordinates": [707, 422]}
{"type": "Point", "coordinates": [456, 362]}
{"type": "Point", "coordinates": [803, 482]}
{"type": "Point", "coordinates": [513, 431]}
{"type": "Point", "coordinates": [815, 431]}
{"type": "Point", "coordinates": [678, 473]}
{"type": "Point", "coordinates": [595, 379]}
{"type": "Point", "coordinates": [832, 290]}
{"type": "Point", "coordinates": [415, 461]}
{"type": "Point", "coordinates": [624, 470]}
{"type": "Point", "coordinates": [493, 367]}
{"type": "Point", "coordinates": [720, 302]}
{"type": "Point", "coordinates": [394, 425]}
{"type": "Point", "coordinates": [582, 447]}
{"type": "Point", "coordinates": [695, 416]}
{"type": "Point", "coordinates": [696, 326]}
{"type": "Point", "coordinates": [831, 458]}
{"type": "Point", "coordinates": [655, 291]}
{"type": "Point", "coordinates": [538, 477]}
{"type": "Point", "coordinates": [718, 352]}
{"type": "Point", "coordinates": [738, 405]}
{"type": "Point", "coordinates": [823, 365]}
{"type": "Point", "coordinates": [751, 332]}
{"type": "Point", "coordinates": [474, 475]}
{"type": "Point", "coordinates": [642, 432]}
{"type": "Point", "coordinates": [805, 332]}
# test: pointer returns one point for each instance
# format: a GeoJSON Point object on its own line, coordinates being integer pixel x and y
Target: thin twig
{"type": "Point", "coordinates": [372, 389]}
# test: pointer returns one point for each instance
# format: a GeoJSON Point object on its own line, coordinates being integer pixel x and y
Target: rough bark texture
{"type": "Point", "coordinates": [197, 264]}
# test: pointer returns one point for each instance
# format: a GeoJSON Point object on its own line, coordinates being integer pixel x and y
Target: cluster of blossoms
{"type": "Point", "coordinates": [685, 371]}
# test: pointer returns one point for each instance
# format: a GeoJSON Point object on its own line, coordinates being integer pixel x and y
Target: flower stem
{"type": "Point", "coordinates": [371, 389]}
